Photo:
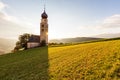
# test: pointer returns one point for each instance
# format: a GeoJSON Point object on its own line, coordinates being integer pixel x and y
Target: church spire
{"type": "Point", "coordinates": [44, 7]}
{"type": "Point", "coordinates": [44, 15]}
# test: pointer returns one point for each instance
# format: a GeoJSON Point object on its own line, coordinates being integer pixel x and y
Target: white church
{"type": "Point", "coordinates": [36, 40]}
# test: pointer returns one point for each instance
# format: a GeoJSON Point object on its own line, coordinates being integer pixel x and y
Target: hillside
{"type": "Point", "coordinates": [90, 61]}
{"type": "Point", "coordinates": [6, 45]}
{"type": "Point", "coordinates": [74, 40]}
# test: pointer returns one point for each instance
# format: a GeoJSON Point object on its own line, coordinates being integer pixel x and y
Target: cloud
{"type": "Point", "coordinates": [108, 25]}
{"type": "Point", "coordinates": [10, 29]}
{"type": "Point", "coordinates": [4, 15]}
{"type": "Point", "coordinates": [11, 26]}
{"type": "Point", "coordinates": [112, 21]}
{"type": "Point", "coordinates": [2, 6]}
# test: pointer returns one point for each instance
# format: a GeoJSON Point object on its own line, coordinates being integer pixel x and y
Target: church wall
{"type": "Point", "coordinates": [32, 45]}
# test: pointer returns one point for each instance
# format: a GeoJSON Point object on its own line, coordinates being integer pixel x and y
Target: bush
{"type": "Point", "coordinates": [43, 43]}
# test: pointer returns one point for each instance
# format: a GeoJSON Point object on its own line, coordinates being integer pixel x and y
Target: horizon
{"type": "Point", "coordinates": [66, 19]}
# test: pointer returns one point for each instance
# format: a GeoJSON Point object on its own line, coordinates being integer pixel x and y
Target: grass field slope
{"type": "Point", "coordinates": [90, 61]}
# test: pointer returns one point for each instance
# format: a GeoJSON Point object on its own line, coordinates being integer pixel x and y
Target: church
{"type": "Point", "coordinates": [37, 40]}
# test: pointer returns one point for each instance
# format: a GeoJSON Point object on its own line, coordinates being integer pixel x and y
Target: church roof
{"type": "Point", "coordinates": [44, 15]}
{"type": "Point", "coordinates": [34, 38]}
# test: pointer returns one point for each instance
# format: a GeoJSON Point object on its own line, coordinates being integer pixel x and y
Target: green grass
{"type": "Point", "coordinates": [89, 61]}
{"type": "Point", "coordinates": [25, 65]}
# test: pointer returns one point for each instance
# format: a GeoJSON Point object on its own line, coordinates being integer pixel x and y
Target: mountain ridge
{"type": "Point", "coordinates": [74, 40]}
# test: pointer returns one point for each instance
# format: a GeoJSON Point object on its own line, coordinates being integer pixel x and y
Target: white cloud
{"type": "Point", "coordinates": [11, 26]}
{"type": "Point", "coordinates": [7, 17]}
{"type": "Point", "coordinates": [112, 21]}
{"type": "Point", "coordinates": [4, 15]}
{"type": "Point", "coordinates": [9, 29]}
{"type": "Point", "coordinates": [2, 6]}
{"type": "Point", "coordinates": [108, 25]}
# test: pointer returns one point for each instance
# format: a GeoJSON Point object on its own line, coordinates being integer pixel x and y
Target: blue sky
{"type": "Point", "coordinates": [66, 18]}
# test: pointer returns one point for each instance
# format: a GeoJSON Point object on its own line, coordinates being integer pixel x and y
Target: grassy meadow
{"type": "Point", "coordinates": [89, 61]}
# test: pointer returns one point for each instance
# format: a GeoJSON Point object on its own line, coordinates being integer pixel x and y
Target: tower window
{"type": "Point", "coordinates": [42, 30]}
{"type": "Point", "coordinates": [42, 26]}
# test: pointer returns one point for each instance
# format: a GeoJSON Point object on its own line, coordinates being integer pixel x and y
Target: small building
{"type": "Point", "coordinates": [36, 40]}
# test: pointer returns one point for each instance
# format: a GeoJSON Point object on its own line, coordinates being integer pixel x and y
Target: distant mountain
{"type": "Point", "coordinates": [73, 40]}
{"type": "Point", "coordinates": [6, 45]}
{"type": "Point", "coordinates": [108, 35]}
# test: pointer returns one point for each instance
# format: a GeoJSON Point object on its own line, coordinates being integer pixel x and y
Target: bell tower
{"type": "Point", "coordinates": [44, 28]}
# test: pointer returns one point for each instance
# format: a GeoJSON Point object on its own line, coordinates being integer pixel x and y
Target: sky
{"type": "Point", "coordinates": [66, 18]}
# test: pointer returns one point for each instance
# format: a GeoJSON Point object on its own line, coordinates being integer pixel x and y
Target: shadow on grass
{"type": "Point", "coordinates": [30, 64]}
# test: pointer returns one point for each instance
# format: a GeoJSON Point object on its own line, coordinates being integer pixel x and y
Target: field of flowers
{"type": "Point", "coordinates": [89, 61]}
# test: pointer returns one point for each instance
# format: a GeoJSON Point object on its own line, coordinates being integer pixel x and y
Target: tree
{"type": "Point", "coordinates": [22, 43]}
{"type": "Point", "coordinates": [24, 39]}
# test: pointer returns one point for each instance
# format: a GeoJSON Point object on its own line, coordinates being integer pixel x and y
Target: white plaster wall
{"type": "Point", "coordinates": [32, 45]}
